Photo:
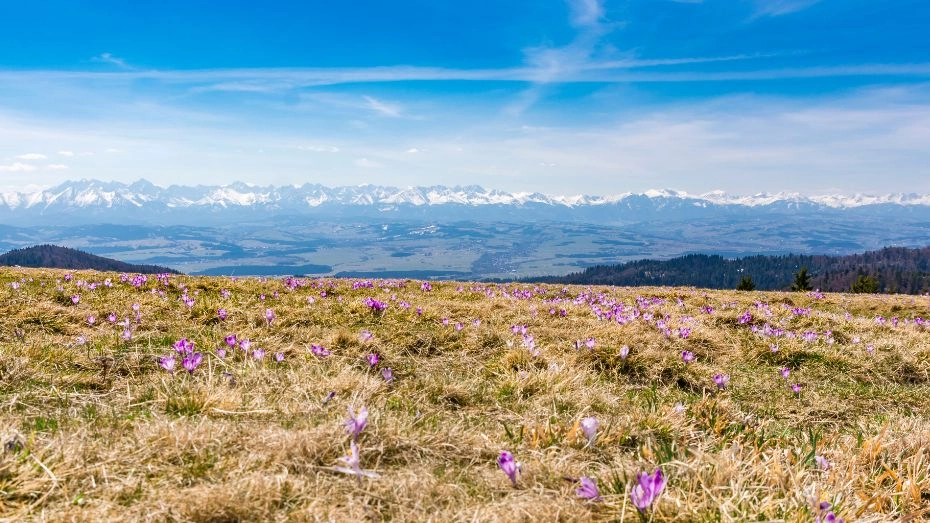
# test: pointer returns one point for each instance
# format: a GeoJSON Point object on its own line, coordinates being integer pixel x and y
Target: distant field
{"type": "Point", "coordinates": [462, 249]}
{"type": "Point", "coordinates": [758, 406]}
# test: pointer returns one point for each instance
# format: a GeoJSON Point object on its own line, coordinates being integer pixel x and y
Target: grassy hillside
{"type": "Point", "coordinates": [95, 428]}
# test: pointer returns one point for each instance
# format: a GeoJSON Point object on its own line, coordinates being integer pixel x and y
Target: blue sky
{"type": "Point", "coordinates": [580, 96]}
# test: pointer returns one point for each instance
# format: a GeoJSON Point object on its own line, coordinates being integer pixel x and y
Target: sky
{"type": "Point", "coordinates": [560, 97]}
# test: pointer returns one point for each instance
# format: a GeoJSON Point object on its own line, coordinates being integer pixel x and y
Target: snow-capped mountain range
{"type": "Point", "coordinates": [93, 194]}
{"type": "Point", "coordinates": [438, 231]}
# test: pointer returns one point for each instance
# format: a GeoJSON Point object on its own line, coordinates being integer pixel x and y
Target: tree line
{"type": "Point", "coordinates": [56, 257]}
{"type": "Point", "coordinates": [889, 270]}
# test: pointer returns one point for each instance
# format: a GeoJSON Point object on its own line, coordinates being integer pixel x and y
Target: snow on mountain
{"type": "Point", "coordinates": [93, 194]}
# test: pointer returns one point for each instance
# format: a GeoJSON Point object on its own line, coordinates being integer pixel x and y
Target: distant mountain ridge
{"type": "Point", "coordinates": [896, 269]}
{"type": "Point", "coordinates": [141, 202]}
{"type": "Point", "coordinates": [95, 193]}
{"type": "Point", "coordinates": [55, 257]}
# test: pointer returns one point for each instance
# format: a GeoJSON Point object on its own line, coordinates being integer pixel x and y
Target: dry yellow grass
{"type": "Point", "coordinates": [98, 431]}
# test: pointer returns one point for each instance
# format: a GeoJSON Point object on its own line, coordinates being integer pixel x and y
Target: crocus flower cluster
{"type": "Point", "coordinates": [190, 360]}
{"type": "Point", "coordinates": [375, 305]}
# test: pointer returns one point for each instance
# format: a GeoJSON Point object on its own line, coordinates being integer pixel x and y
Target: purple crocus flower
{"type": "Point", "coordinates": [375, 305]}
{"type": "Point", "coordinates": [388, 375]}
{"type": "Point", "coordinates": [168, 363]}
{"type": "Point", "coordinates": [354, 464]}
{"type": "Point", "coordinates": [721, 380]}
{"type": "Point", "coordinates": [231, 340]}
{"type": "Point", "coordinates": [269, 316]}
{"type": "Point", "coordinates": [222, 314]}
{"type": "Point", "coordinates": [357, 421]}
{"type": "Point", "coordinates": [785, 372]}
{"type": "Point", "coordinates": [183, 345]}
{"type": "Point", "coordinates": [648, 489]}
{"type": "Point", "coordinates": [192, 361]}
{"type": "Point", "coordinates": [589, 427]}
{"type": "Point", "coordinates": [365, 336]}
{"type": "Point", "coordinates": [75, 299]}
{"type": "Point", "coordinates": [822, 462]}
{"type": "Point", "coordinates": [329, 397]}
{"type": "Point", "coordinates": [624, 352]}
{"type": "Point", "coordinates": [319, 350]}
{"type": "Point", "coordinates": [91, 320]}
{"type": "Point", "coordinates": [258, 353]}
{"type": "Point", "coordinates": [510, 467]}
{"type": "Point", "coordinates": [373, 359]}
{"type": "Point", "coordinates": [687, 356]}
{"type": "Point", "coordinates": [826, 515]}
{"type": "Point", "coordinates": [796, 388]}
{"type": "Point", "coordinates": [588, 489]}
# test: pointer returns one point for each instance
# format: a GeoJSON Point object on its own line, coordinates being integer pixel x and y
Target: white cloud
{"type": "Point", "coordinates": [412, 150]}
{"type": "Point", "coordinates": [781, 7]}
{"type": "Point", "coordinates": [56, 167]}
{"type": "Point", "coordinates": [113, 150]}
{"type": "Point", "coordinates": [365, 163]}
{"type": "Point", "coordinates": [31, 156]}
{"type": "Point", "coordinates": [66, 153]}
{"type": "Point", "coordinates": [17, 167]}
{"type": "Point", "coordinates": [586, 12]}
{"type": "Point", "coordinates": [383, 108]}
{"type": "Point", "coordinates": [319, 148]}
{"type": "Point", "coordinates": [108, 58]}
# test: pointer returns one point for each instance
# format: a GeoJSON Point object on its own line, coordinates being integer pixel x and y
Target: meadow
{"type": "Point", "coordinates": [209, 399]}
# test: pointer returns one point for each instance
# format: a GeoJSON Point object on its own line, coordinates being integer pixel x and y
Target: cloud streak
{"type": "Point", "coordinates": [781, 7]}
{"type": "Point", "coordinates": [108, 58]}
{"type": "Point", "coordinates": [17, 167]}
{"type": "Point", "coordinates": [602, 71]}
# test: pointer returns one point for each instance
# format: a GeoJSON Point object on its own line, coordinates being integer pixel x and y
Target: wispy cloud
{"type": "Point", "coordinates": [108, 58]}
{"type": "Point", "coordinates": [318, 148]}
{"type": "Point", "coordinates": [781, 7]}
{"type": "Point", "coordinates": [365, 163]}
{"type": "Point", "coordinates": [586, 13]}
{"type": "Point", "coordinates": [547, 66]}
{"type": "Point", "coordinates": [56, 167]}
{"type": "Point", "coordinates": [17, 167]}
{"type": "Point", "coordinates": [31, 157]}
{"type": "Point", "coordinates": [66, 153]}
{"type": "Point", "coordinates": [383, 108]}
